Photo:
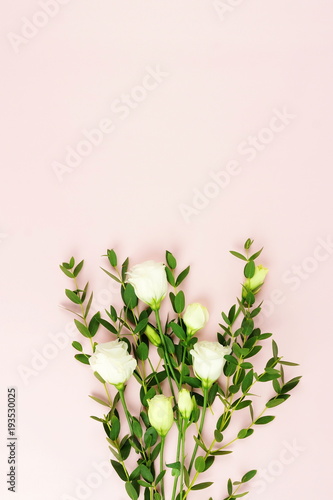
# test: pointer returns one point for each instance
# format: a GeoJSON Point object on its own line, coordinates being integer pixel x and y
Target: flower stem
{"type": "Point", "coordinates": [205, 391]}
{"type": "Point", "coordinates": [123, 402]}
{"type": "Point", "coordinates": [180, 437]}
{"type": "Point", "coordinates": [168, 364]}
{"type": "Point", "coordinates": [162, 466]}
{"type": "Point", "coordinates": [182, 464]}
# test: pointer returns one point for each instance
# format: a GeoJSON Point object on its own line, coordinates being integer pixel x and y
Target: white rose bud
{"type": "Point", "coordinates": [185, 403]}
{"type": "Point", "coordinates": [113, 363]}
{"type": "Point", "coordinates": [208, 361]}
{"type": "Point", "coordinates": [195, 317]}
{"type": "Point", "coordinates": [153, 336]}
{"type": "Point", "coordinates": [253, 284]}
{"type": "Point", "coordinates": [150, 282]}
{"type": "Point", "coordinates": [160, 414]}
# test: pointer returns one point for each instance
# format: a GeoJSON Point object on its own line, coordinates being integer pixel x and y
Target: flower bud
{"type": "Point", "coordinates": [195, 317]}
{"type": "Point", "coordinates": [253, 284]}
{"type": "Point", "coordinates": [153, 336]}
{"type": "Point", "coordinates": [150, 282]}
{"type": "Point", "coordinates": [160, 414]}
{"type": "Point", "coordinates": [185, 403]}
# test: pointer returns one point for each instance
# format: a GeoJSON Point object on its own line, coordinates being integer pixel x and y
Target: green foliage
{"type": "Point", "coordinates": [235, 391]}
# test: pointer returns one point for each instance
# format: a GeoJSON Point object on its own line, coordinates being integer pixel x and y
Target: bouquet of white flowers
{"type": "Point", "coordinates": [194, 375]}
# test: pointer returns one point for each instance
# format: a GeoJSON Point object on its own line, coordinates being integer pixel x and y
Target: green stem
{"type": "Point", "coordinates": [162, 466]}
{"type": "Point", "coordinates": [182, 464]}
{"type": "Point", "coordinates": [180, 436]}
{"type": "Point", "coordinates": [123, 402]}
{"type": "Point", "coordinates": [168, 365]}
{"type": "Point", "coordinates": [108, 394]}
{"type": "Point", "coordinates": [205, 391]}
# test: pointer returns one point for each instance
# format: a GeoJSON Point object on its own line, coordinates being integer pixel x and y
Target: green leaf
{"type": "Point", "coordinates": [248, 243]}
{"type": "Point", "coordinates": [200, 443]}
{"type": "Point", "coordinates": [170, 277]}
{"type": "Point", "coordinates": [66, 271]}
{"type": "Point", "coordinates": [83, 358]}
{"type": "Point", "coordinates": [231, 359]}
{"type": "Point", "coordinates": [141, 325]}
{"type": "Point", "coordinates": [218, 436]}
{"type": "Point", "coordinates": [179, 302]}
{"type": "Point", "coordinates": [275, 349]}
{"type": "Point", "coordinates": [82, 329]}
{"type": "Point", "coordinates": [255, 255]}
{"type": "Point", "coordinates": [100, 401]}
{"type": "Point", "coordinates": [129, 297]}
{"type": "Point", "coordinates": [78, 268]}
{"type": "Point", "coordinates": [253, 351]}
{"type": "Point", "coordinates": [73, 296]}
{"type": "Point", "coordinates": [137, 429]}
{"type": "Point", "coordinates": [249, 269]}
{"type": "Point", "coordinates": [119, 468]}
{"type": "Point", "coordinates": [288, 363]}
{"type": "Point", "coordinates": [192, 381]}
{"type": "Point", "coordinates": [238, 255]}
{"type": "Point", "coordinates": [160, 476]}
{"type": "Point", "coordinates": [169, 344]}
{"type": "Point", "coordinates": [277, 401]}
{"type": "Point", "coordinates": [247, 326]}
{"type": "Point", "coordinates": [112, 257]}
{"type": "Point", "coordinates": [124, 269]}
{"type": "Point", "coordinates": [88, 305]}
{"type": "Point", "coordinates": [174, 465]}
{"type": "Point", "coordinates": [77, 346]}
{"type": "Point", "coordinates": [146, 473]}
{"type": "Point", "coordinates": [244, 433]}
{"type": "Point", "coordinates": [201, 486]}
{"type": "Point", "coordinates": [229, 486]}
{"type": "Point", "coordinates": [248, 476]}
{"type": "Point", "coordinates": [156, 452]}
{"type": "Point", "coordinates": [125, 449]}
{"type": "Point", "coordinates": [182, 276]}
{"type": "Point", "coordinates": [212, 394]}
{"type": "Point", "coordinates": [107, 325]}
{"type": "Point", "coordinates": [177, 330]}
{"type": "Point", "coordinates": [264, 420]}
{"type": "Point", "coordinates": [111, 275]}
{"type": "Point", "coordinates": [142, 351]}
{"type": "Point", "coordinates": [266, 377]}
{"type": "Point", "coordinates": [131, 491]}
{"type": "Point", "coordinates": [115, 428]}
{"type": "Point", "coordinates": [209, 462]}
{"type": "Point", "coordinates": [94, 324]}
{"type": "Point", "coordinates": [171, 261]}
{"type": "Point", "coordinates": [231, 313]}
{"type": "Point", "coordinates": [97, 375]}
{"type": "Point", "coordinates": [200, 464]}
{"type": "Point", "coordinates": [243, 404]}
{"type": "Point", "coordinates": [150, 437]}
{"type": "Point", "coordinates": [288, 386]}
{"type": "Point", "coordinates": [246, 365]}
{"type": "Point", "coordinates": [220, 452]}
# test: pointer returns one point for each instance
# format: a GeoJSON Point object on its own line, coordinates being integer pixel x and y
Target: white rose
{"type": "Point", "coordinates": [113, 363]}
{"type": "Point", "coordinates": [208, 361]}
{"type": "Point", "coordinates": [195, 317]}
{"type": "Point", "coordinates": [185, 403]}
{"type": "Point", "coordinates": [150, 282]}
{"type": "Point", "coordinates": [160, 413]}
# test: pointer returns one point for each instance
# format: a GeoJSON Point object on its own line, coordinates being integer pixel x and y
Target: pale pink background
{"type": "Point", "coordinates": [226, 75]}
